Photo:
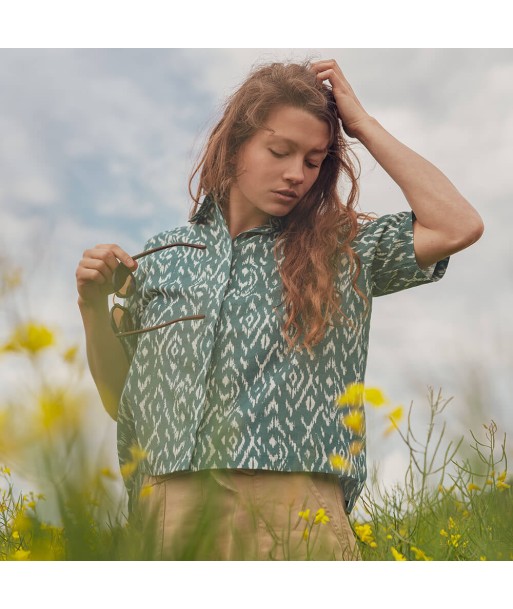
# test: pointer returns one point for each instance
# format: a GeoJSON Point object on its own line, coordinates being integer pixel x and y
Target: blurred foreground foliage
{"type": "Point", "coordinates": [448, 508]}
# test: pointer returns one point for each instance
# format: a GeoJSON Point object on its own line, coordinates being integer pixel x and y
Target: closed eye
{"type": "Point", "coordinates": [281, 155]}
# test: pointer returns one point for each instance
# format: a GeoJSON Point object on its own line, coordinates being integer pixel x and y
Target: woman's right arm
{"type": "Point", "coordinates": [105, 354]}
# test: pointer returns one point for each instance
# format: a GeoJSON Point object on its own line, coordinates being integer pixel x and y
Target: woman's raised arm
{"type": "Point", "coordinates": [445, 221]}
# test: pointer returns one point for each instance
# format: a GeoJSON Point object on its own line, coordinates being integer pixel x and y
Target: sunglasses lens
{"type": "Point", "coordinates": [123, 282]}
{"type": "Point", "coordinates": [122, 320]}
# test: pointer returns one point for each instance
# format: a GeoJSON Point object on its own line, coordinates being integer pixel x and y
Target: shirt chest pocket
{"type": "Point", "coordinates": [176, 291]}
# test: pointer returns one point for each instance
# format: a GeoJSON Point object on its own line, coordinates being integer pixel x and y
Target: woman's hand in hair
{"type": "Point", "coordinates": [350, 110]}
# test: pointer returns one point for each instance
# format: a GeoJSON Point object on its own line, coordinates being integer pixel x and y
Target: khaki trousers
{"type": "Point", "coordinates": [242, 514]}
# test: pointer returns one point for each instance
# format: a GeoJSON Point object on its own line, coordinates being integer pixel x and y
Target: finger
{"type": "Point", "coordinates": [86, 275]}
{"type": "Point", "coordinates": [324, 64]}
{"type": "Point", "coordinates": [96, 265]}
{"type": "Point", "coordinates": [120, 254]}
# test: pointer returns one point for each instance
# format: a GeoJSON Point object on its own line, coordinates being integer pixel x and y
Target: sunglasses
{"type": "Point", "coordinates": [124, 284]}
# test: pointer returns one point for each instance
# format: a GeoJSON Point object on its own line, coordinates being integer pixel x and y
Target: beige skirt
{"type": "Point", "coordinates": [243, 514]}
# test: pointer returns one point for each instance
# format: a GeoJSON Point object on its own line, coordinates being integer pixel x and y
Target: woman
{"type": "Point", "coordinates": [242, 329]}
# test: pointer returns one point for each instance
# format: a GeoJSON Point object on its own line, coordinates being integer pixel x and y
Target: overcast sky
{"type": "Point", "coordinates": [97, 145]}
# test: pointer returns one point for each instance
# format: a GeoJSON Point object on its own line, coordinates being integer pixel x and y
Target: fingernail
{"type": "Point", "coordinates": [129, 261]}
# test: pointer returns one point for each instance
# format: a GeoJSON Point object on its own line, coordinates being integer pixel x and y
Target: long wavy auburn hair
{"type": "Point", "coordinates": [319, 230]}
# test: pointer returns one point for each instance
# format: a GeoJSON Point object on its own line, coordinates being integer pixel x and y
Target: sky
{"type": "Point", "coordinates": [97, 146]}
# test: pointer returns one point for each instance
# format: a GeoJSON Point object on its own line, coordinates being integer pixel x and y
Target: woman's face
{"type": "Point", "coordinates": [277, 166]}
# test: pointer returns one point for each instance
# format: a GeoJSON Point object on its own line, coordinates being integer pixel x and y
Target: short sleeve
{"type": "Point", "coordinates": [386, 245]}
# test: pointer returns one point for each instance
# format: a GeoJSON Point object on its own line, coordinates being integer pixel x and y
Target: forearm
{"type": "Point", "coordinates": [436, 202]}
{"type": "Point", "coordinates": [105, 355]}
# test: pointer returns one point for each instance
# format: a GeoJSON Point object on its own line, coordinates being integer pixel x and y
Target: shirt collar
{"type": "Point", "coordinates": [210, 212]}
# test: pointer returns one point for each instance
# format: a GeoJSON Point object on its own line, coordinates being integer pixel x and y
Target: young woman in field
{"type": "Point", "coordinates": [240, 330]}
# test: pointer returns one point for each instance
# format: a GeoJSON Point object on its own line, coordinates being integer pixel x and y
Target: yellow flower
{"type": "Point", "coordinates": [127, 469]}
{"type": "Point", "coordinates": [354, 420]}
{"type": "Point", "coordinates": [305, 533]}
{"type": "Point", "coordinates": [389, 536]}
{"type": "Point", "coordinates": [107, 473]}
{"type": "Point", "coordinates": [396, 554]}
{"type": "Point", "coordinates": [419, 554]}
{"type": "Point", "coordinates": [444, 533]}
{"type": "Point", "coordinates": [473, 487]}
{"type": "Point", "coordinates": [482, 558]}
{"type": "Point", "coordinates": [489, 481]}
{"type": "Point", "coordinates": [29, 337]}
{"type": "Point", "coordinates": [52, 409]}
{"type": "Point", "coordinates": [364, 532]}
{"type": "Point", "coordinates": [375, 397]}
{"type": "Point", "coordinates": [305, 514]}
{"type": "Point", "coordinates": [356, 447]}
{"type": "Point", "coordinates": [70, 355]}
{"type": "Point", "coordinates": [502, 485]}
{"type": "Point", "coordinates": [321, 517]}
{"type": "Point", "coordinates": [21, 554]}
{"type": "Point", "coordinates": [395, 416]}
{"type": "Point", "coordinates": [501, 477]}
{"type": "Point", "coordinates": [451, 524]}
{"type": "Point", "coordinates": [356, 393]}
{"type": "Point", "coordinates": [5, 470]}
{"type": "Point", "coordinates": [339, 462]}
{"type": "Point", "coordinates": [138, 454]}
{"type": "Point", "coordinates": [454, 540]}
{"type": "Point", "coordinates": [353, 395]}
{"type": "Point", "coordinates": [146, 490]}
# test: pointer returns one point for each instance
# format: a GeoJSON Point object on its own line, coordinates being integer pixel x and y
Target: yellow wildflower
{"type": "Point", "coordinates": [31, 505]}
{"type": "Point", "coordinates": [364, 532]}
{"type": "Point", "coordinates": [5, 470]}
{"type": "Point", "coordinates": [356, 447]}
{"type": "Point", "coordinates": [305, 514]}
{"type": "Point", "coordinates": [305, 533]}
{"type": "Point", "coordinates": [489, 481]}
{"type": "Point", "coordinates": [339, 462]}
{"type": "Point", "coordinates": [396, 554]}
{"type": "Point", "coordinates": [70, 355]}
{"type": "Point", "coordinates": [321, 517]}
{"type": "Point", "coordinates": [501, 477]}
{"type": "Point", "coordinates": [389, 536]}
{"type": "Point", "coordinates": [395, 416]}
{"type": "Point", "coordinates": [473, 487]}
{"type": "Point", "coordinates": [482, 558]}
{"type": "Point", "coordinates": [419, 554]}
{"type": "Point", "coordinates": [454, 540]}
{"type": "Point", "coordinates": [354, 420]}
{"type": "Point", "coordinates": [29, 337]}
{"type": "Point", "coordinates": [127, 469]}
{"type": "Point", "coordinates": [451, 524]}
{"type": "Point", "coordinates": [353, 395]}
{"type": "Point", "coordinates": [444, 533]}
{"type": "Point", "coordinates": [107, 473]}
{"type": "Point", "coordinates": [502, 485]}
{"type": "Point", "coordinates": [21, 554]}
{"type": "Point", "coordinates": [138, 454]}
{"type": "Point", "coordinates": [375, 397]}
{"type": "Point", "coordinates": [146, 490]}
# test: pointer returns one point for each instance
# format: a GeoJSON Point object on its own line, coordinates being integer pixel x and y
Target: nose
{"type": "Point", "coordinates": [294, 171]}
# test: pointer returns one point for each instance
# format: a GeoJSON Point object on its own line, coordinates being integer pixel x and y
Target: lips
{"type": "Point", "coordinates": [285, 192]}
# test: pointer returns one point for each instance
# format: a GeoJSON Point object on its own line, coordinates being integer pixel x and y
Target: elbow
{"type": "Point", "coordinates": [474, 232]}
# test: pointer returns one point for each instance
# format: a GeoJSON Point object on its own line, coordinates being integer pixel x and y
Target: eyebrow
{"type": "Point", "coordinates": [293, 143]}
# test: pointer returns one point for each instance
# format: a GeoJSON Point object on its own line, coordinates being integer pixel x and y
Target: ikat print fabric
{"type": "Point", "coordinates": [223, 392]}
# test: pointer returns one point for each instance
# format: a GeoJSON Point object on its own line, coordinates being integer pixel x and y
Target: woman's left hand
{"type": "Point", "coordinates": [350, 110]}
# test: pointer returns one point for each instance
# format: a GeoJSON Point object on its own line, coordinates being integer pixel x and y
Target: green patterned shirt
{"type": "Point", "coordinates": [222, 392]}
